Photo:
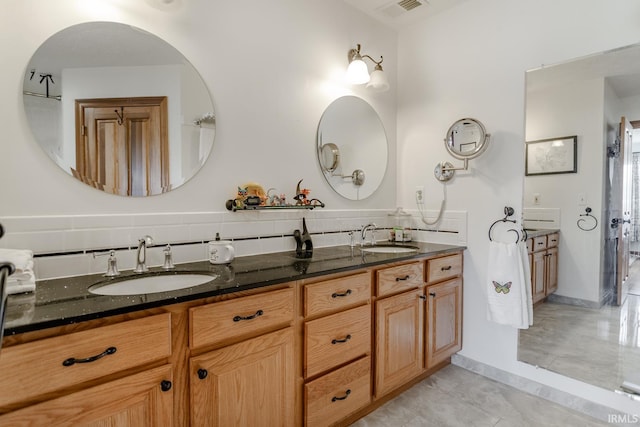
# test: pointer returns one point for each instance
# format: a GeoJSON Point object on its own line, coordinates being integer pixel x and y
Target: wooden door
{"type": "Point", "coordinates": [251, 383]}
{"type": "Point", "coordinates": [143, 399]}
{"type": "Point", "coordinates": [538, 276]}
{"type": "Point", "coordinates": [122, 145]}
{"type": "Point", "coordinates": [399, 340]}
{"type": "Point", "coordinates": [623, 209]}
{"type": "Point", "coordinates": [443, 321]}
{"type": "Point", "coordinates": [551, 271]}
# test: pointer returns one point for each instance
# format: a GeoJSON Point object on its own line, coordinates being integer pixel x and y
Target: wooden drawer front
{"type": "Point", "coordinates": [244, 316]}
{"type": "Point", "coordinates": [337, 339]}
{"type": "Point", "coordinates": [552, 240]}
{"type": "Point", "coordinates": [399, 279]}
{"type": "Point", "coordinates": [36, 368]}
{"type": "Point", "coordinates": [539, 243]}
{"type": "Point", "coordinates": [331, 295]}
{"type": "Point", "coordinates": [443, 268]}
{"type": "Point", "coordinates": [337, 394]}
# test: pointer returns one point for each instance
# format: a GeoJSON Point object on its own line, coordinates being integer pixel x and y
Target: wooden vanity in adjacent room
{"type": "Point", "coordinates": [323, 349]}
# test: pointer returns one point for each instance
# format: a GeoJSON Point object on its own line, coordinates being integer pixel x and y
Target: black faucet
{"type": "Point", "coordinates": [303, 239]}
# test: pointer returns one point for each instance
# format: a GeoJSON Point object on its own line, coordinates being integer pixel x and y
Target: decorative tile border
{"type": "Point", "coordinates": [65, 245]}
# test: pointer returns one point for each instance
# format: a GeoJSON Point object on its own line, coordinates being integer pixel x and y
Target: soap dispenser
{"type": "Point", "coordinates": [221, 251]}
{"type": "Point", "coordinates": [401, 226]}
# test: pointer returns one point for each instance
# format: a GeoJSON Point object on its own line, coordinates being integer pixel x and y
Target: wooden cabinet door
{"type": "Point", "coordinates": [143, 399]}
{"type": "Point", "coordinates": [552, 271]}
{"type": "Point", "coordinates": [251, 383]}
{"type": "Point", "coordinates": [399, 340]}
{"type": "Point", "coordinates": [537, 276]}
{"type": "Point", "coordinates": [443, 321]}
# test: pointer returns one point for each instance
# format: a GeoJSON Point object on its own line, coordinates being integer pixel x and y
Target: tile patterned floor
{"type": "Point", "coordinates": [455, 397]}
{"type": "Point", "coordinates": [596, 346]}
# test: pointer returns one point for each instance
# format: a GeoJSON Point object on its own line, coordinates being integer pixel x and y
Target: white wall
{"type": "Point", "coordinates": [470, 61]}
{"type": "Point", "coordinates": [567, 109]}
{"type": "Point", "coordinates": [272, 68]}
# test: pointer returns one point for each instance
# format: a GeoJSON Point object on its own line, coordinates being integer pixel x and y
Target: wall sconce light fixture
{"type": "Point", "coordinates": [358, 73]}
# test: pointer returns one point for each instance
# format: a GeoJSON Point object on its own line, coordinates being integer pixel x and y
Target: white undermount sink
{"type": "Point", "coordinates": [390, 249]}
{"type": "Point", "coordinates": [151, 284]}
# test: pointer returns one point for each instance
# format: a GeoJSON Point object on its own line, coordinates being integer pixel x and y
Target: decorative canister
{"type": "Point", "coordinates": [221, 251]}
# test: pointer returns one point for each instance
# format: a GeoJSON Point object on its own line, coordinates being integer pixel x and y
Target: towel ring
{"type": "Point", "coordinates": [587, 214]}
{"type": "Point", "coordinates": [508, 211]}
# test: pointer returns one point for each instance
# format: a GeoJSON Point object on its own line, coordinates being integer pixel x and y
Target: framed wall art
{"type": "Point", "coordinates": [552, 156]}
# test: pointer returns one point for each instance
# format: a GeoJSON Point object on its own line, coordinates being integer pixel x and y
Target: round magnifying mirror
{"type": "Point", "coordinates": [119, 109]}
{"type": "Point", "coordinates": [329, 157]}
{"type": "Point", "coordinates": [466, 139]}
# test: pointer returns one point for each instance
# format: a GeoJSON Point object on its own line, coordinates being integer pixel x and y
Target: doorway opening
{"type": "Point", "coordinates": [122, 145]}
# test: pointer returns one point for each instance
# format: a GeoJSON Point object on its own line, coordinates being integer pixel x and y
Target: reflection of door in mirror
{"type": "Point", "coordinates": [122, 145]}
{"type": "Point", "coordinates": [588, 329]}
{"type": "Point", "coordinates": [622, 206]}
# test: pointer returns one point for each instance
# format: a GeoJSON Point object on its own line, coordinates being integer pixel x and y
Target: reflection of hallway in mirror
{"type": "Point", "coordinates": [596, 346]}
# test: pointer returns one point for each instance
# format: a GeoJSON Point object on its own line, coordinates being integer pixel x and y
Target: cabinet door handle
{"type": "Point", "coordinates": [447, 268]}
{"type": "Point", "coordinates": [72, 360]}
{"type": "Point", "coordinates": [339, 295]}
{"type": "Point", "coordinates": [165, 385]}
{"type": "Point", "coordinates": [401, 279]}
{"type": "Point", "coordinates": [202, 373]}
{"type": "Point", "coordinates": [423, 297]}
{"type": "Point", "coordinates": [432, 294]}
{"type": "Point", "coordinates": [346, 394]}
{"type": "Point", "coordinates": [253, 316]}
{"type": "Point", "coordinates": [337, 341]}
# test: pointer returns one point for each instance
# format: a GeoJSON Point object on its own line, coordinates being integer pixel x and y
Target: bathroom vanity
{"type": "Point", "coordinates": [542, 246]}
{"type": "Point", "coordinates": [273, 340]}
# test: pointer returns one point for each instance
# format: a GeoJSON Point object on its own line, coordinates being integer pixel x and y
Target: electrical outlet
{"type": "Point", "coordinates": [582, 199]}
{"type": "Point", "coordinates": [536, 198]}
{"type": "Point", "coordinates": [420, 194]}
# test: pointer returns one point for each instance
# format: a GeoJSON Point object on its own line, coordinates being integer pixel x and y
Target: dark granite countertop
{"type": "Point", "coordinates": [64, 301]}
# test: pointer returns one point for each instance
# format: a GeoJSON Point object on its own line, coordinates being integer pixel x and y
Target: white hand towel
{"type": "Point", "coordinates": [25, 282]}
{"type": "Point", "coordinates": [20, 310]}
{"type": "Point", "coordinates": [527, 309]}
{"type": "Point", "coordinates": [22, 259]}
{"type": "Point", "coordinates": [506, 286]}
{"type": "Point", "coordinates": [207, 135]}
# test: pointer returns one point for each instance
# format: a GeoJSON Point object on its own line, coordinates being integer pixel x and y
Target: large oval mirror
{"type": "Point", "coordinates": [119, 109]}
{"type": "Point", "coordinates": [352, 147]}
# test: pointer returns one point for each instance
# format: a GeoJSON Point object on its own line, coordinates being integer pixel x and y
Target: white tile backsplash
{"type": "Point", "coordinates": [64, 245]}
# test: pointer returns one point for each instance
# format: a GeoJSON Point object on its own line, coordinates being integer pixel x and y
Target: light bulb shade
{"type": "Point", "coordinates": [378, 81]}
{"type": "Point", "coordinates": [357, 73]}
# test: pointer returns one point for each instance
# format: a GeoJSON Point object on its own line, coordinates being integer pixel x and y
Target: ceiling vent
{"type": "Point", "coordinates": [396, 9]}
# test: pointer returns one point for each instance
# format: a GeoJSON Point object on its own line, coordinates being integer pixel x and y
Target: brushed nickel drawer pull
{"type": "Point", "coordinates": [253, 316]}
{"type": "Point", "coordinates": [72, 360]}
{"type": "Point", "coordinates": [346, 394]}
{"type": "Point", "coordinates": [336, 341]}
{"type": "Point", "coordinates": [338, 295]}
{"type": "Point", "coordinates": [447, 268]}
{"type": "Point", "coordinates": [401, 279]}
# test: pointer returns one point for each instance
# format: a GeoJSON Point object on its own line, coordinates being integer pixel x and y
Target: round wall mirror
{"type": "Point", "coordinates": [466, 139]}
{"type": "Point", "coordinates": [119, 109]}
{"type": "Point", "coordinates": [352, 147]}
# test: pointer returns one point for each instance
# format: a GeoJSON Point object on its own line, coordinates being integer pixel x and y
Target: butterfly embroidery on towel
{"type": "Point", "coordinates": [502, 288]}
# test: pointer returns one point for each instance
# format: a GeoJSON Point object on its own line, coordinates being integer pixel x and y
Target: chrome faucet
{"type": "Point", "coordinates": [363, 234]}
{"type": "Point", "coordinates": [141, 254]}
